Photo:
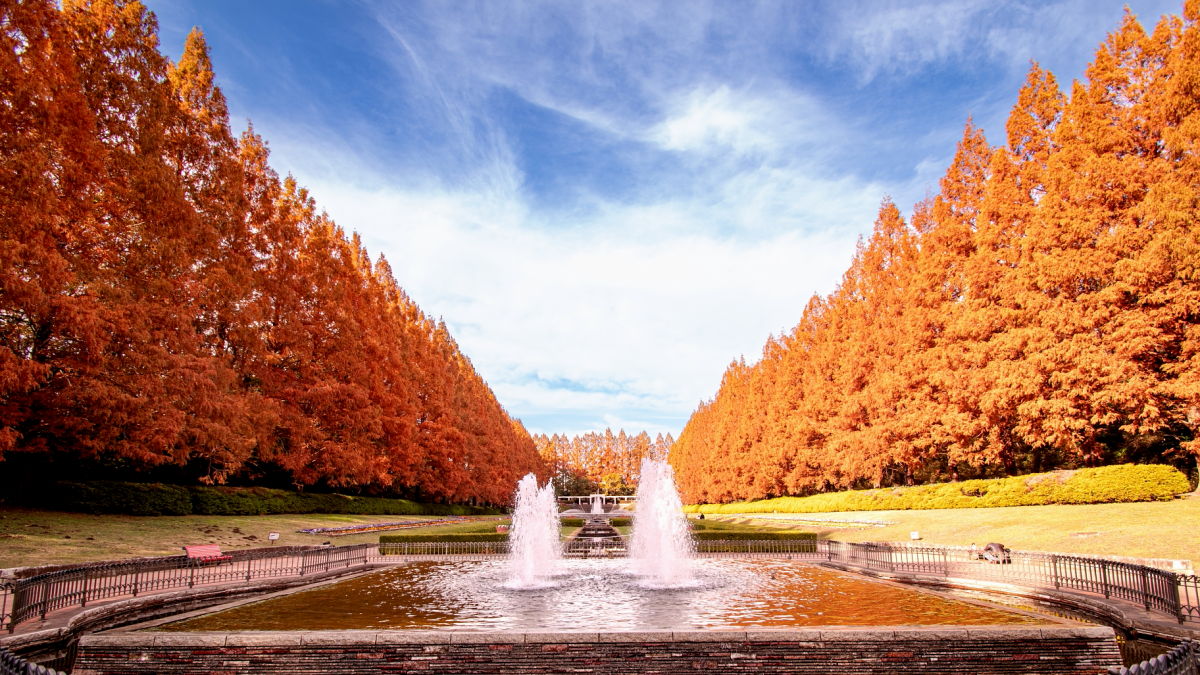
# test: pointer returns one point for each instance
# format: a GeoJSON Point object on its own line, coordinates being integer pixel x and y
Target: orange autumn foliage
{"type": "Point", "coordinates": [596, 456]}
{"type": "Point", "coordinates": [167, 300]}
{"type": "Point", "coordinates": [1041, 310]}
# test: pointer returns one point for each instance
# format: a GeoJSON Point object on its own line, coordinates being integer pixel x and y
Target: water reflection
{"type": "Point", "coordinates": [601, 595]}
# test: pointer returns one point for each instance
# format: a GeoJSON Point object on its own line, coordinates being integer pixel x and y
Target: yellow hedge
{"type": "Point", "coordinates": [1118, 483]}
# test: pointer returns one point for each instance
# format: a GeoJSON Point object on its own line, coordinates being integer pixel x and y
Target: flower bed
{"type": "Point", "coordinates": [380, 527]}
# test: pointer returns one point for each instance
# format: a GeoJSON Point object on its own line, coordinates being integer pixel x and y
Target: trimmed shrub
{"type": "Point", "coordinates": [135, 499]}
{"type": "Point", "coordinates": [571, 522]}
{"type": "Point", "coordinates": [620, 522]}
{"type": "Point", "coordinates": [469, 536]}
{"type": "Point", "coordinates": [1105, 484]}
{"type": "Point", "coordinates": [743, 535]}
{"type": "Point", "coordinates": [157, 499]}
{"type": "Point", "coordinates": [212, 500]}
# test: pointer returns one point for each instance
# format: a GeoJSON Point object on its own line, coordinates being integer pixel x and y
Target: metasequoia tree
{"type": "Point", "coordinates": [1038, 311]}
{"type": "Point", "coordinates": [597, 457]}
{"type": "Point", "coordinates": [167, 300]}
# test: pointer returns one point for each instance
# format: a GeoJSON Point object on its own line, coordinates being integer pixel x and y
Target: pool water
{"type": "Point", "coordinates": [601, 595]}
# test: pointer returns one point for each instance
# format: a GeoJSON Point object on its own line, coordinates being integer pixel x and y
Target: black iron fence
{"type": "Point", "coordinates": [1182, 660]}
{"type": "Point", "coordinates": [462, 550]}
{"type": "Point", "coordinates": [1159, 591]}
{"type": "Point", "coordinates": [36, 596]}
{"type": "Point", "coordinates": [737, 548]}
{"type": "Point", "coordinates": [11, 664]}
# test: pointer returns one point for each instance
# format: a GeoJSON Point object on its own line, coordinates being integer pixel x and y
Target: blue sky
{"type": "Point", "coordinates": [609, 201]}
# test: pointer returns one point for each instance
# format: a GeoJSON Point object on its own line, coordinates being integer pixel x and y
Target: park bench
{"type": "Point", "coordinates": [205, 554]}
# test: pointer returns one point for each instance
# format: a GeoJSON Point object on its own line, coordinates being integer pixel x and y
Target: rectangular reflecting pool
{"type": "Point", "coordinates": [602, 595]}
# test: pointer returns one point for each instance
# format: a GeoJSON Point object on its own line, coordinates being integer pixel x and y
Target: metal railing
{"type": "Point", "coordinates": [11, 664]}
{"type": "Point", "coordinates": [1159, 591]}
{"type": "Point", "coordinates": [1155, 589]}
{"type": "Point", "coordinates": [737, 548]}
{"type": "Point", "coordinates": [1182, 660]}
{"type": "Point", "coordinates": [445, 549]}
{"type": "Point", "coordinates": [36, 596]}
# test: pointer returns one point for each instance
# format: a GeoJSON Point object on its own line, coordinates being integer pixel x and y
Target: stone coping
{"type": "Point", "coordinates": [1126, 614]}
{"type": "Point", "coordinates": [448, 637]}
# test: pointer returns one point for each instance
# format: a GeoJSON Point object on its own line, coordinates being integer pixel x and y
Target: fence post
{"type": "Point", "coordinates": [137, 571]}
{"type": "Point", "coordinates": [1176, 601]}
{"type": "Point", "coordinates": [87, 576]}
{"type": "Point", "coordinates": [1054, 572]}
{"type": "Point", "coordinates": [1104, 577]}
{"type": "Point", "coordinates": [1145, 585]}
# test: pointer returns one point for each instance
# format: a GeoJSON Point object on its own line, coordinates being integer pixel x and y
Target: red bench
{"type": "Point", "coordinates": [205, 553]}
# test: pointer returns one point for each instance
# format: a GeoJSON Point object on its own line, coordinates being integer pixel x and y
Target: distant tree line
{"type": "Point", "coordinates": [605, 462]}
{"type": "Point", "coordinates": [1041, 310]}
{"type": "Point", "coordinates": [166, 299]}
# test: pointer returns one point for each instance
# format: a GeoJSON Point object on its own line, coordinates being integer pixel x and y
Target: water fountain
{"type": "Point", "coordinates": [661, 544]}
{"type": "Point", "coordinates": [597, 504]}
{"type": "Point", "coordinates": [662, 586]}
{"type": "Point", "coordinates": [660, 596]}
{"type": "Point", "coordinates": [534, 549]}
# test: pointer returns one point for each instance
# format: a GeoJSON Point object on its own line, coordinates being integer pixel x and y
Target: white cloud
{"type": "Point", "coordinates": [716, 120]}
{"type": "Point", "coordinates": [900, 38]}
{"type": "Point", "coordinates": [618, 312]}
{"type": "Point", "coordinates": [892, 38]}
{"type": "Point", "coordinates": [615, 310]}
{"type": "Point", "coordinates": [641, 324]}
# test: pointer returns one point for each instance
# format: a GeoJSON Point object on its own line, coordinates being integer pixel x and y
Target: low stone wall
{"type": "Point", "coordinates": [945, 650]}
{"type": "Point", "coordinates": [59, 638]}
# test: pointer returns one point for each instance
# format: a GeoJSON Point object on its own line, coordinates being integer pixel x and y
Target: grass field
{"type": "Point", "coordinates": [1149, 529]}
{"type": "Point", "coordinates": [30, 537]}
{"type": "Point", "coordinates": [1144, 529]}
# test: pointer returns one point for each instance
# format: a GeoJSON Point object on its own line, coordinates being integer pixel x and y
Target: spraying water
{"type": "Point", "coordinates": [661, 543]}
{"type": "Point", "coordinates": [597, 504]}
{"type": "Point", "coordinates": [533, 546]}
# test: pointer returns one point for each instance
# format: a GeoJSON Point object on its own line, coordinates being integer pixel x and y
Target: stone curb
{"type": "Point", "coordinates": [368, 637]}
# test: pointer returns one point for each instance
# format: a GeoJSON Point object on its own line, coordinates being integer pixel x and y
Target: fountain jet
{"type": "Point", "coordinates": [533, 546]}
{"type": "Point", "coordinates": [661, 543]}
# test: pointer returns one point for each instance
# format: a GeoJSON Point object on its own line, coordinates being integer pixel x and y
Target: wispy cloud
{"type": "Point", "coordinates": [642, 327]}
{"type": "Point", "coordinates": [608, 202]}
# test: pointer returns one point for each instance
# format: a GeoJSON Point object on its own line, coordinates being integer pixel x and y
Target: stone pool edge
{"type": "Point", "coordinates": [1076, 649]}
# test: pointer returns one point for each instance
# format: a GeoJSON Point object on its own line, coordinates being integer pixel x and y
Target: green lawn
{"type": "Point", "coordinates": [1148, 529]}
{"type": "Point", "coordinates": [31, 537]}
{"type": "Point", "coordinates": [1144, 529]}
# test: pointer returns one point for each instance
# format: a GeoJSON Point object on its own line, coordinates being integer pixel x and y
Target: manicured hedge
{"type": "Point", "coordinates": [469, 536]}
{"type": "Point", "coordinates": [157, 499]}
{"type": "Point", "coordinates": [742, 535]}
{"type": "Point", "coordinates": [1118, 483]}
{"type": "Point", "coordinates": [571, 522]}
{"type": "Point", "coordinates": [134, 499]}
